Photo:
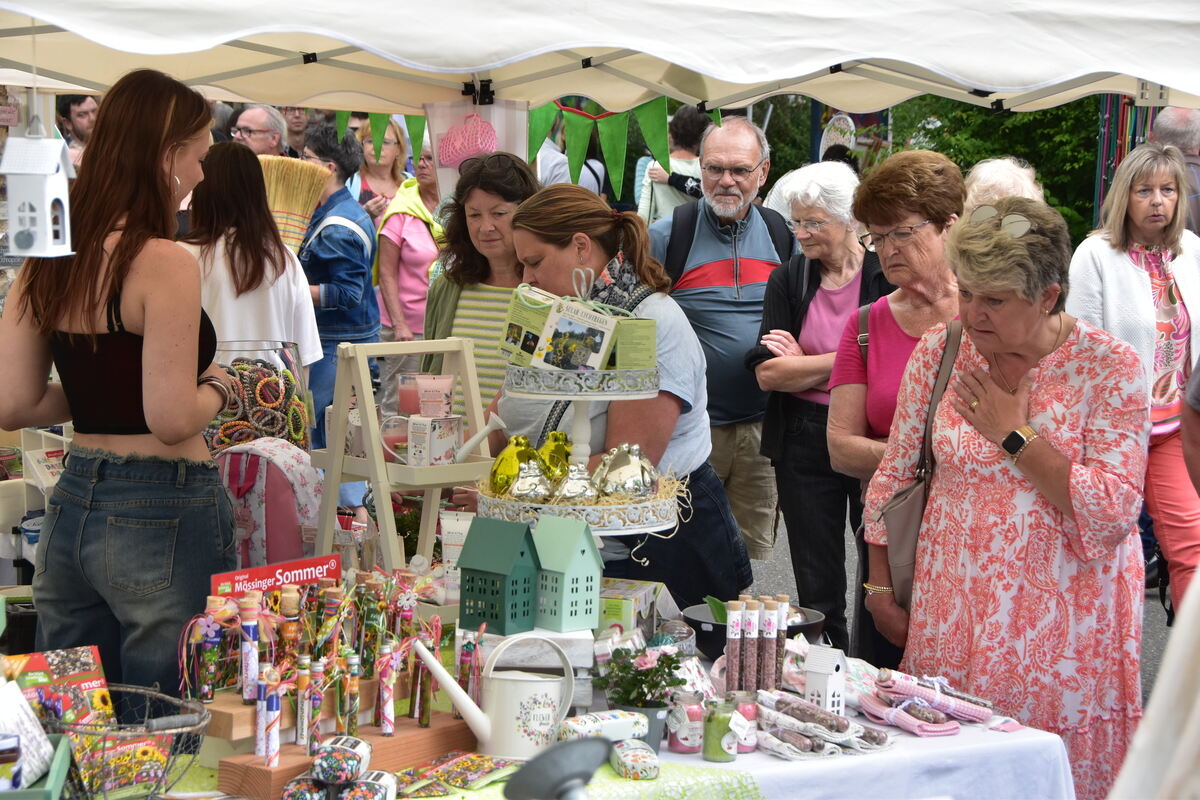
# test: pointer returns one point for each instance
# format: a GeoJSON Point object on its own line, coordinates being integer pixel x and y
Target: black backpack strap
{"type": "Point", "coordinates": [864, 336]}
{"type": "Point", "coordinates": [683, 232]}
{"type": "Point", "coordinates": [781, 235]}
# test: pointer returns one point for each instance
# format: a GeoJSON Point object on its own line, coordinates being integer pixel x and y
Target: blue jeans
{"type": "Point", "coordinates": [705, 556]}
{"type": "Point", "coordinates": [126, 552]}
{"type": "Point", "coordinates": [322, 376]}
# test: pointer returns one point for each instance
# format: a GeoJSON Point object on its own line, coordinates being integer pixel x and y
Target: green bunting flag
{"type": "Point", "coordinates": [652, 119]}
{"type": "Point", "coordinates": [541, 120]}
{"type": "Point", "coordinates": [715, 115]}
{"type": "Point", "coordinates": [416, 135]}
{"type": "Point", "coordinates": [614, 139]}
{"type": "Point", "coordinates": [579, 133]}
{"type": "Point", "coordinates": [379, 126]}
{"type": "Point", "coordinates": [343, 119]}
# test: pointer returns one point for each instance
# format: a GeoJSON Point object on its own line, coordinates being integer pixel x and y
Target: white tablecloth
{"type": "Point", "coordinates": [977, 764]}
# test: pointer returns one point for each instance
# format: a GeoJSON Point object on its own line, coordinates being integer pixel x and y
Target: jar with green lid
{"type": "Point", "coordinates": [720, 742]}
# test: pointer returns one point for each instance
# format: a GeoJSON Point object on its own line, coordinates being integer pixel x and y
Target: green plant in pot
{"type": "Point", "coordinates": [641, 681]}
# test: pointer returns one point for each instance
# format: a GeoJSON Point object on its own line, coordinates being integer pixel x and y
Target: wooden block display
{"type": "Point", "coordinates": [412, 745]}
{"type": "Point", "coordinates": [231, 719]}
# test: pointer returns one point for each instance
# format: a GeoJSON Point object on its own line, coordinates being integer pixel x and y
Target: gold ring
{"type": "Point", "coordinates": [971, 405]}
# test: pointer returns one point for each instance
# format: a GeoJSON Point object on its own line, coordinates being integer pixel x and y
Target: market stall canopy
{"type": "Point", "coordinates": [858, 56]}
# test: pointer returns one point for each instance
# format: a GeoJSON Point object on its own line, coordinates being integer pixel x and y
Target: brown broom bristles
{"type": "Point", "coordinates": [294, 187]}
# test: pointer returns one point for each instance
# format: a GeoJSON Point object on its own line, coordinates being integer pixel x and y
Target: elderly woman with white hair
{"type": "Point", "coordinates": [993, 178]}
{"type": "Point", "coordinates": [807, 304]}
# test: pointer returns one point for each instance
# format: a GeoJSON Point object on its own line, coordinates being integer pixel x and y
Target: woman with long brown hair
{"type": "Point", "coordinates": [139, 519]}
{"type": "Point", "coordinates": [251, 285]}
{"type": "Point", "coordinates": [566, 236]}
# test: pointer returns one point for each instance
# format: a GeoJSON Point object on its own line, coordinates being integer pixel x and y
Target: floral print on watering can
{"type": "Point", "coordinates": [537, 718]}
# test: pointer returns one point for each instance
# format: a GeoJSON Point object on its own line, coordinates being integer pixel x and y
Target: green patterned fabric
{"type": "Point", "coordinates": [675, 782]}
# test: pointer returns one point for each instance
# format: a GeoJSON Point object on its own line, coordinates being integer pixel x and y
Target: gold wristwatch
{"type": "Point", "coordinates": [1016, 441]}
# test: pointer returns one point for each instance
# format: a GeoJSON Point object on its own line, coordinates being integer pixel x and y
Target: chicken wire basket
{"type": "Point", "coordinates": [152, 740]}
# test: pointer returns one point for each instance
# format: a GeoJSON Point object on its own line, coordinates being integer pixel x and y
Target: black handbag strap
{"type": "Point", "coordinates": [953, 338]}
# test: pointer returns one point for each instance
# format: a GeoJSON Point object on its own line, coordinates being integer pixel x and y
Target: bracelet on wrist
{"type": "Point", "coordinates": [218, 384]}
{"type": "Point", "coordinates": [871, 588]}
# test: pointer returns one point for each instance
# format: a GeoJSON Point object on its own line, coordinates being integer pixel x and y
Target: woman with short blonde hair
{"type": "Point", "coordinates": [1028, 565]}
{"type": "Point", "coordinates": [1138, 277]}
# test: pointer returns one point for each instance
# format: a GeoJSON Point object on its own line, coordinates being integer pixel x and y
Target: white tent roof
{"type": "Point", "coordinates": [858, 56]}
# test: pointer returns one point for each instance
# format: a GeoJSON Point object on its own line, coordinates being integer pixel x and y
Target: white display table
{"type": "Point", "coordinates": [977, 764]}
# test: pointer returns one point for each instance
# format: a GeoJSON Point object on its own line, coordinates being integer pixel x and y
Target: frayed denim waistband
{"type": "Point", "coordinates": [93, 465]}
{"type": "Point", "coordinates": [133, 458]}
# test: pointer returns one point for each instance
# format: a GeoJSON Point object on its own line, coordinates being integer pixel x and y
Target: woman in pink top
{"type": "Point", "coordinates": [409, 236]}
{"type": "Point", "coordinates": [908, 204]}
{"type": "Point", "coordinates": [807, 302]}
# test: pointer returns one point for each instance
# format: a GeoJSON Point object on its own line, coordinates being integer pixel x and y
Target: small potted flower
{"type": "Point", "coordinates": [641, 681]}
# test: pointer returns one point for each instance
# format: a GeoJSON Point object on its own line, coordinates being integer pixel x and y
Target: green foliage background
{"type": "Point", "coordinates": [1060, 143]}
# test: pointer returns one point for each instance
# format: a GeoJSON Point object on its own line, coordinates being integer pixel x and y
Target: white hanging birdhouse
{"type": "Point", "coordinates": [37, 171]}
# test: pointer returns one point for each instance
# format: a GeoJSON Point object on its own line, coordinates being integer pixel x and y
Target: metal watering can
{"type": "Point", "coordinates": [521, 710]}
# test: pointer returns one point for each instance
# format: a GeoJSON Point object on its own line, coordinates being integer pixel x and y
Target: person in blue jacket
{"type": "Point", "coordinates": [337, 254]}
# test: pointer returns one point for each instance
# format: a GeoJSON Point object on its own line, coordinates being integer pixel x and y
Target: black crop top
{"type": "Point", "coordinates": [104, 385]}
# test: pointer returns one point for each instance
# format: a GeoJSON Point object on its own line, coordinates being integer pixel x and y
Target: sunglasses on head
{"type": "Point", "coordinates": [1015, 225]}
{"type": "Point", "coordinates": [498, 161]}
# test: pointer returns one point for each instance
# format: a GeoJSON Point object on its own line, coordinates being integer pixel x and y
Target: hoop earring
{"type": "Point", "coordinates": [178, 183]}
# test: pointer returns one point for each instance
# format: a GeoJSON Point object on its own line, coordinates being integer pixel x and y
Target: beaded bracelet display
{"type": "Point", "coordinates": [264, 401]}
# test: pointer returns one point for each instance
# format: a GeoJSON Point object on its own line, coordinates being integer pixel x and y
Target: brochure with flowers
{"type": "Point", "coordinates": [69, 687]}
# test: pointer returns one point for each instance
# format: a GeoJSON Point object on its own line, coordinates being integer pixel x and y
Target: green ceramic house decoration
{"type": "Point", "coordinates": [498, 567]}
{"type": "Point", "coordinates": [568, 596]}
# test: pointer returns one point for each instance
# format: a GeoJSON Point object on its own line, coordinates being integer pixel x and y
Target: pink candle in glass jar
{"type": "Point", "coordinates": [395, 439]}
{"type": "Point", "coordinates": [408, 397]}
{"type": "Point", "coordinates": [685, 722]}
{"type": "Point", "coordinates": [746, 704]}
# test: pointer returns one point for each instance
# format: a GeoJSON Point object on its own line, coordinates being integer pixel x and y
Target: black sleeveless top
{"type": "Point", "coordinates": [104, 384]}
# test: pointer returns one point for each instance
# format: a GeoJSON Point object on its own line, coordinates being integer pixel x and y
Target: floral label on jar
{"type": "Point", "coordinates": [729, 743]}
{"type": "Point", "coordinates": [743, 729]}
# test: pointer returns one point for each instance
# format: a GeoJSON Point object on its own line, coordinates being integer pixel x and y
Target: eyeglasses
{"type": "Point", "coordinates": [810, 225]}
{"type": "Point", "coordinates": [425, 159]}
{"type": "Point", "coordinates": [386, 143]}
{"type": "Point", "coordinates": [291, 110]}
{"type": "Point", "coordinates": [245, 132]}
{"type": "Point", "coordinates": [1015, 225]}
{"type": "Point", "coordinates": [317, 159]}
{"type": "Point", "coordinates": [489, 161]}
{"type": "Point", "coordinates": [739, 174]}
{"type": "Point", "coordinates": [900, 236]}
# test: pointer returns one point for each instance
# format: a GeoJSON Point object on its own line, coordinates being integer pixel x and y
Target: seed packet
{"type": "Point", "coordinates": [472, 771]}
{"type": "Point", "coordinates": [411, 782]}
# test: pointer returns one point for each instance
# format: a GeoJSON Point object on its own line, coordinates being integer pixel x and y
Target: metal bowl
{"type": "Point", "coordinates": [710, 636]}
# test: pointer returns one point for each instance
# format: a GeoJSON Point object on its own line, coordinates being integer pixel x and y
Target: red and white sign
{"type": "Point", "coordinates": [273, 576]}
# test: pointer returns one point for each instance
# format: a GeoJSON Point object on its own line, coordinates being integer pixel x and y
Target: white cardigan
{"type": "Point", "coordinates": [1110, 291]}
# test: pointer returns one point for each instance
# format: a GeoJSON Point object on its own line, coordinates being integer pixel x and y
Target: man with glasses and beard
{"type": "Point", "coordinates": [719, 252]}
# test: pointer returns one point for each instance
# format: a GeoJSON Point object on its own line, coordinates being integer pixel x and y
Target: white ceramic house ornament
{"type": "Point", "coordinates": [37, 170]}
{"type": "Point", "coordinates": [825, 678]}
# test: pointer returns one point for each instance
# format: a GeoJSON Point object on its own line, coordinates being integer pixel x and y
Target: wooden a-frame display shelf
{"type": "Point", "coordinates": [354, 377]}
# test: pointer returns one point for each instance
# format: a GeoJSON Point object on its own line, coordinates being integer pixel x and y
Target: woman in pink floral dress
{"type": "Point", "coordinates": [1028, 580]}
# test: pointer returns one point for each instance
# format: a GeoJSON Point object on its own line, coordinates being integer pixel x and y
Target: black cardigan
{"type": "Point", "coordinates": [784, 307]}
